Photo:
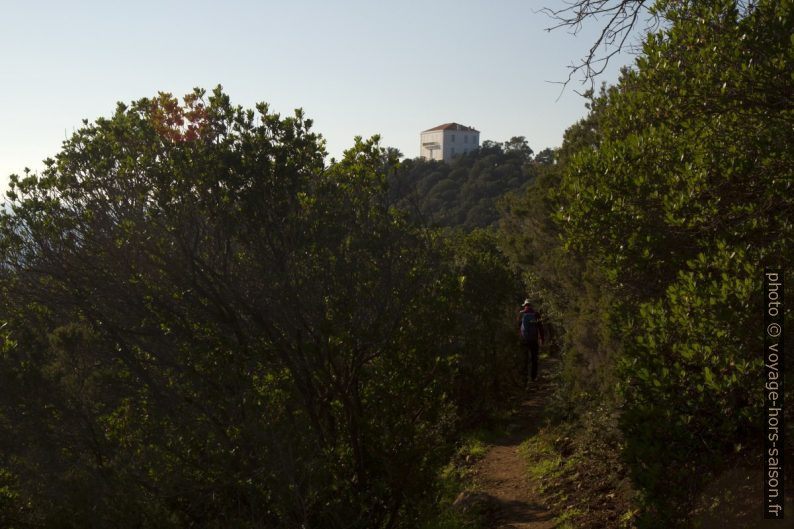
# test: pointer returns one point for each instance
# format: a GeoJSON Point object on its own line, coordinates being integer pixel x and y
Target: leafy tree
{"type": "Point", "coordinates": [648, 237]}
{"type": "Point", "coordinates": [573, 293]}
{"type": "Point", "coordinates": [205, 325]}
{"type": "Point", "coordinates": [683, 201]}
{"type": "Point", "coordinates": [465, 191]}
{"type": "Point", "coordinates": [487, 355]}
{"type": "Point", "coordinates": [519, 146]}
{"type": "Point", "coordinates": [545, 157]}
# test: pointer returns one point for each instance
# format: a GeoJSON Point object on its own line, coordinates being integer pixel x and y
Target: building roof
{"type": "Point", "coordinates": [452, 126]}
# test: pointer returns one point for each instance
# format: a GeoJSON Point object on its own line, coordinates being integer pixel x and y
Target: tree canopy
{"type": "Point", "coordinates": [205, 324]}
{"type": "Point", "coordinates": [465, 191]}
{"type": "Point", "coordinates": [670, 199]}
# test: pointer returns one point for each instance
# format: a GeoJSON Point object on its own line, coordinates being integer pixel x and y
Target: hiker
{"type": "Point", "coordinates": [530, 329]}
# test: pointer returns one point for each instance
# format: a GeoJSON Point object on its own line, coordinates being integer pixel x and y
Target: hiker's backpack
{"type": "Point", "coordinates": [529, 326]}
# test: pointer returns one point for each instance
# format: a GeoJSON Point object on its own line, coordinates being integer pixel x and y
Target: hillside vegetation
{"type": "Point", "coordinates": [465, 191]}
{"type": "Point", "coordinates": [649, 240]}
{"type": "Point", "coordinates": [205, 324]}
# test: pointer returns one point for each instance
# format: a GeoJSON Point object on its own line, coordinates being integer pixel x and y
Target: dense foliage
{"type": "Point", "coordinates": [668, 202]}
{"type": "Point", "coordinates": [205, 325]}
{"type": "Point", "coordinates": [464, 191]}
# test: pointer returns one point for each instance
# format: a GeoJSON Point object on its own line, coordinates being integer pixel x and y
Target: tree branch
{"type": "Point", "coordinates": [622, 17]}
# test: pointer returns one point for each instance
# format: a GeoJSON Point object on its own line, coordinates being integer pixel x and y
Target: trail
{"type": "Point", "coordinates": [502, 473]}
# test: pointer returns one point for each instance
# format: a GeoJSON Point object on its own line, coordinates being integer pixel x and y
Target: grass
{"type": "Point", "coordinates": [456, 477]}
{"type": "Point", "coordinates": [575, 464]}
{"type": "Point", "coordinates": [567, 518]}
{"type": "Point", "coordinates": [544, 463]}
{"type": "Point", "coordinates": [475, 444]}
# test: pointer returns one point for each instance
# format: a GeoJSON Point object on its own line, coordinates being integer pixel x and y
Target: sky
{"type": "Point", "coordinates": [355, 67]}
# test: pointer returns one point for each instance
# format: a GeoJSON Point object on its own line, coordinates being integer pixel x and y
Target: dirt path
{"type": "Point", "coordinates": [503, 476]}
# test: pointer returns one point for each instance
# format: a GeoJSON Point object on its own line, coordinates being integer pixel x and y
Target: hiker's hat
{"type": "Point", "coordinates": [526, 302]}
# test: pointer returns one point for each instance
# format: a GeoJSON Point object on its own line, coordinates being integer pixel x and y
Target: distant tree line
{"type": "Point", "coordinates": [464, 191]}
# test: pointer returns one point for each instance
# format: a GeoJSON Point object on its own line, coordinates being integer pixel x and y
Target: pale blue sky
{"type": "Point", "coordinates": [355, 67]}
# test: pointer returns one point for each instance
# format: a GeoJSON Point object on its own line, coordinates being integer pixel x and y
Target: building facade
{"type": "Point", "coordinates": [448, 140]}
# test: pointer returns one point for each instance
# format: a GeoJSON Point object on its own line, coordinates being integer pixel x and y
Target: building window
{"type": "Point", "coordinates": [453, 138]}
{"type": "Point", "coordinates": [465, 139]}
{"type": "Point", "coordinates": [453, 151]}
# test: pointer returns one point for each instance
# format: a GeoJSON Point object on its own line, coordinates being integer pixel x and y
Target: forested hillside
{"type": "Point", "coordinates": [464, 191]}
{"type": "Point", "coordinates": [205, 324]}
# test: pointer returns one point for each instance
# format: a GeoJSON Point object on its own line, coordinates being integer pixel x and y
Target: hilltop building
{"type": "Point", "coordinates": [448, 140]}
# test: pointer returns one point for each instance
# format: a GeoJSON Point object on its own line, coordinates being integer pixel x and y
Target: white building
{"type": "Point", "coordinates": [448, 140]}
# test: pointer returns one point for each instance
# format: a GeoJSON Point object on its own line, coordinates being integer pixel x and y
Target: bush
{"type": "Point", "coordinates": [213, 328]}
